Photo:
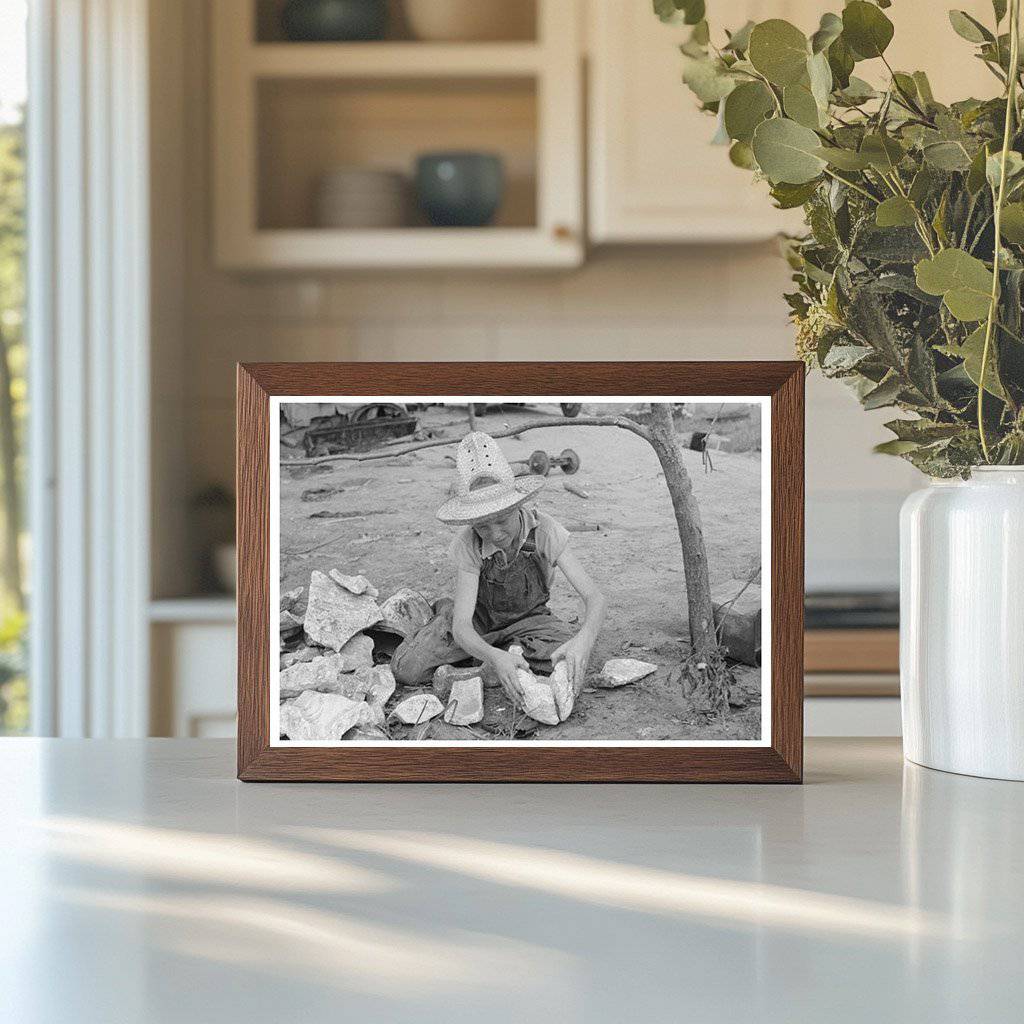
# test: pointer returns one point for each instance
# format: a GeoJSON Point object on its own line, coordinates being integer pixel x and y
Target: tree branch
{"type": "Point", "coordinates": [558, 421]}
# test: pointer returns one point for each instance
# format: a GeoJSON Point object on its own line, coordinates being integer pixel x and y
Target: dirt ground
{"type": "Point", "coordinates": [377, 518]}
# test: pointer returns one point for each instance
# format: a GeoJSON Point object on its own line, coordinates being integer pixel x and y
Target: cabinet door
{"type": "Point", "coordinates": [654, 176]}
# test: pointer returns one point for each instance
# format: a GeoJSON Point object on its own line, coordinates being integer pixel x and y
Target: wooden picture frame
{"type": "Point", "coordinates": [779, 758]}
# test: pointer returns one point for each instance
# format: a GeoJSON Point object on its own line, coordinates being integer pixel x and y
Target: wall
{"type": "Point", "coordinates": [651, 303]}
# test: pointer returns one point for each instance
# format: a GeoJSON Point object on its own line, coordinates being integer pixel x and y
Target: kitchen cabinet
{"type": "Point", "coordinates": [654, 177]}
{"type": "Point", "coordinates": [288, 114]}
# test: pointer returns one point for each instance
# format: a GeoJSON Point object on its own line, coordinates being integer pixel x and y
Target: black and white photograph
{"type": "Point", "coordinates": [520, 570]}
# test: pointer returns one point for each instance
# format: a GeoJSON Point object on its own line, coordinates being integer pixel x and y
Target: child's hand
{"type": "Point", "coordinates": [503, 666]}
{"type": "Point", "coordinates": [576, 654]}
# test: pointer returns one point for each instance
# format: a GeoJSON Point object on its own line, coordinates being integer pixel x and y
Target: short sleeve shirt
{"type": "Point", "coordinates": [468, 552]}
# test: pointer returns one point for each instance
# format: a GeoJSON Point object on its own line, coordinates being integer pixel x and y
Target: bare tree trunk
{"type": "Point", "coordinates": [705, 677]}
{"type": "Point", "coordinates": [10, 492]}
{"type": "Point", "coordinates": [691, 530]}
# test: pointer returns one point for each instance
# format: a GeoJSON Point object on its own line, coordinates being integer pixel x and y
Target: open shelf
{"type": "Point", "coordinates": [393, 60]}
{"type": "Point", "coordinates": [520, 22]}
{"type": "Point", "coordinates": [286, 114]}
{"type": "Point", "coordinates": [308, 127]}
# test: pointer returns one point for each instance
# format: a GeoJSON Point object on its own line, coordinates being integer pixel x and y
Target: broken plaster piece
{"type": "Point", "coordinates": [334, 614]}
{"type": "Point", "coordinates": [465, 702]}
{"type": "Point", "coordinates": [621, 671]}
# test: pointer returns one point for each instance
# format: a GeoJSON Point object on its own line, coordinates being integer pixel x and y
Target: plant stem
{"type": "Point", "coordinates": [1011, 108]}
{"type": "Point", "coordinates": [907, 99]}
{"type": "Point", "coordinates": [775, 98]}
{"type": "Point", "coordinates": [853, 185]}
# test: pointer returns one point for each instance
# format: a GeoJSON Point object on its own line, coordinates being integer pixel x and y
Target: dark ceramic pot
{"type": "Point", "coordinates": [460, 189]}
{"type": "Point", "coordinates": [334, 21]}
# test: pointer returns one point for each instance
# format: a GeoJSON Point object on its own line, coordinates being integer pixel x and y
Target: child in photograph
{"type": "Point", "coordinates": [505, 557]}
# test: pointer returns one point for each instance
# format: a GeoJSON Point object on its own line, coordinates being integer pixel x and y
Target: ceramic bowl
{"type": "Point", "coordinates": [359, 197]}
{"type": "Point", "coordinates": [470, 20]}
{"type": "Point", "coordinates": [460, 189]}
{"type": "Point", "coordinates": [333, 21]}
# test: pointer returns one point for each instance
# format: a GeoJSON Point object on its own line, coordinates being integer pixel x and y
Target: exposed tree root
{"type": "Point", "coordinates": [706, 683]}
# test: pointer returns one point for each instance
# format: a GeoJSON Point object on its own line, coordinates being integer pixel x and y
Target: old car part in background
{"type": "Point", "coordinates": [540, 462]}
{"type": "Point", "coordinates": [570, 409]}
{"type": "Point", "coordinates": [366, 427]}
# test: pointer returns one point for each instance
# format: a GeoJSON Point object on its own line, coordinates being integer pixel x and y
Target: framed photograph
{"type": "Point", "coordinates": [575, 572]}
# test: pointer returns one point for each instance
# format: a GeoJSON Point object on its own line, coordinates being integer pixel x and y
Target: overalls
{"type": "Point", "coordinates": [511, 608]}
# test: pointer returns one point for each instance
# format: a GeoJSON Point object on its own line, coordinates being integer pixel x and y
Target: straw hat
{"type": "Point", "coordinates": [486, 484]}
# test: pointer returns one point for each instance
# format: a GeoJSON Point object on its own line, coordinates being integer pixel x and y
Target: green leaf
{"type": "Point", "coordinates": [866, 29]}
{"type": "Point", "coordinates": [693, 10]}
{"type": "Point", "coordinates": [701, 34]}
{"type": "Point", "coordinates": [745, 108]}
{"type": "Point", "coordinates": [840, 359]}
{"type": "Point", "coordinates": [786, 151]}
{"type": "Point", "coordinates": [829, 29]}
{"type": "Point", "coordinates": [788, 196]}
{"type": "Point", "coordinates": [1012, 223]}
{"type": "Point", "coordinates": [858, 91]}
{"type": "Point", "coordinates": [969, 28]}
{"type": "Point", "coordinates": [947, 156]}
{"type": "Point", "coordinates": [895, 447]}
{"type": "Point", "coordinates": [690, 12]}
{"type": "Point", "coordinates": [840, 61]}
{"type": "Point", "coordinates": [905, 84]}
{"type": "Point", "coordinates": [924, 88]}
{"type": "Point", "coordinates": [889, 245]}
{"type": "Point", "coordinates": [883, 152]}
{"type": "Point", "coordinates": [963, 281]}
{"type": "Point", "coordinates": [971, 352]}
{"type": "Point", "coordinates": [844, 159]}
{"type": "Point", "coordinates": [868, 319]}
{"type": "Point", "coordinates": [999, 9]}
{"type": "Point", "coordinates": [993, 166]}
{"type": "Point", "coordinates": [922, 185]}
{"type": "Point", "coordinates": [923, 431]}
{"type": "Point", "coordinates": [921, 369]}
{"type": "Point", "coordinates": [739, 41]}
{"type": "Point", "coordinates": [895, 212]}
{"type": "Point", "coordinates": [819, 74]}
{"type": "Point", "coordinates": [801, 106]}
{"type": "Point", "coordinates": [976, 173]}
{"type": "Point", "coordinates": [741, 155]}
{"type": "Point", "coordinates": [707, 78]}
{"type": "Point", "coordinates": [939, 220]}
{"type": "Point", "coordinates": [721, 136]}
{"type": "Point", "coordinates": [885, 394]}
{"type": "Point", "coordinates": [779, 51]}
{"type": "Point", "coordinates": [666, 10]}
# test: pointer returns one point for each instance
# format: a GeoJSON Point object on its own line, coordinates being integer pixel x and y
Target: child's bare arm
{"type": "Point", "coordinates": [501, 663]}
{"type": "Point", "coordinates": [576, 652]}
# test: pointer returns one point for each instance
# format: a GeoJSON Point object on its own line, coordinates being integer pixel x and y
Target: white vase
{"type": "Point", "coordinates": [962, 624]}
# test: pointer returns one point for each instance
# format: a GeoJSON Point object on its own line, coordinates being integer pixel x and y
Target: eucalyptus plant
{"type": "Point", "coordinates": [910, 278]}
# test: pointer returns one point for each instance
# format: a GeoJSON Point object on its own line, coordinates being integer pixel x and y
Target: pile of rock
{"type": "Point", "coordinates": [330, 686]}
{"type": "Point", "coordinates": [335, 683]}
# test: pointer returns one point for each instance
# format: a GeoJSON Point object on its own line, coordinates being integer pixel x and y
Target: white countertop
{"type": "Point", "coordinates": [140, 882]}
